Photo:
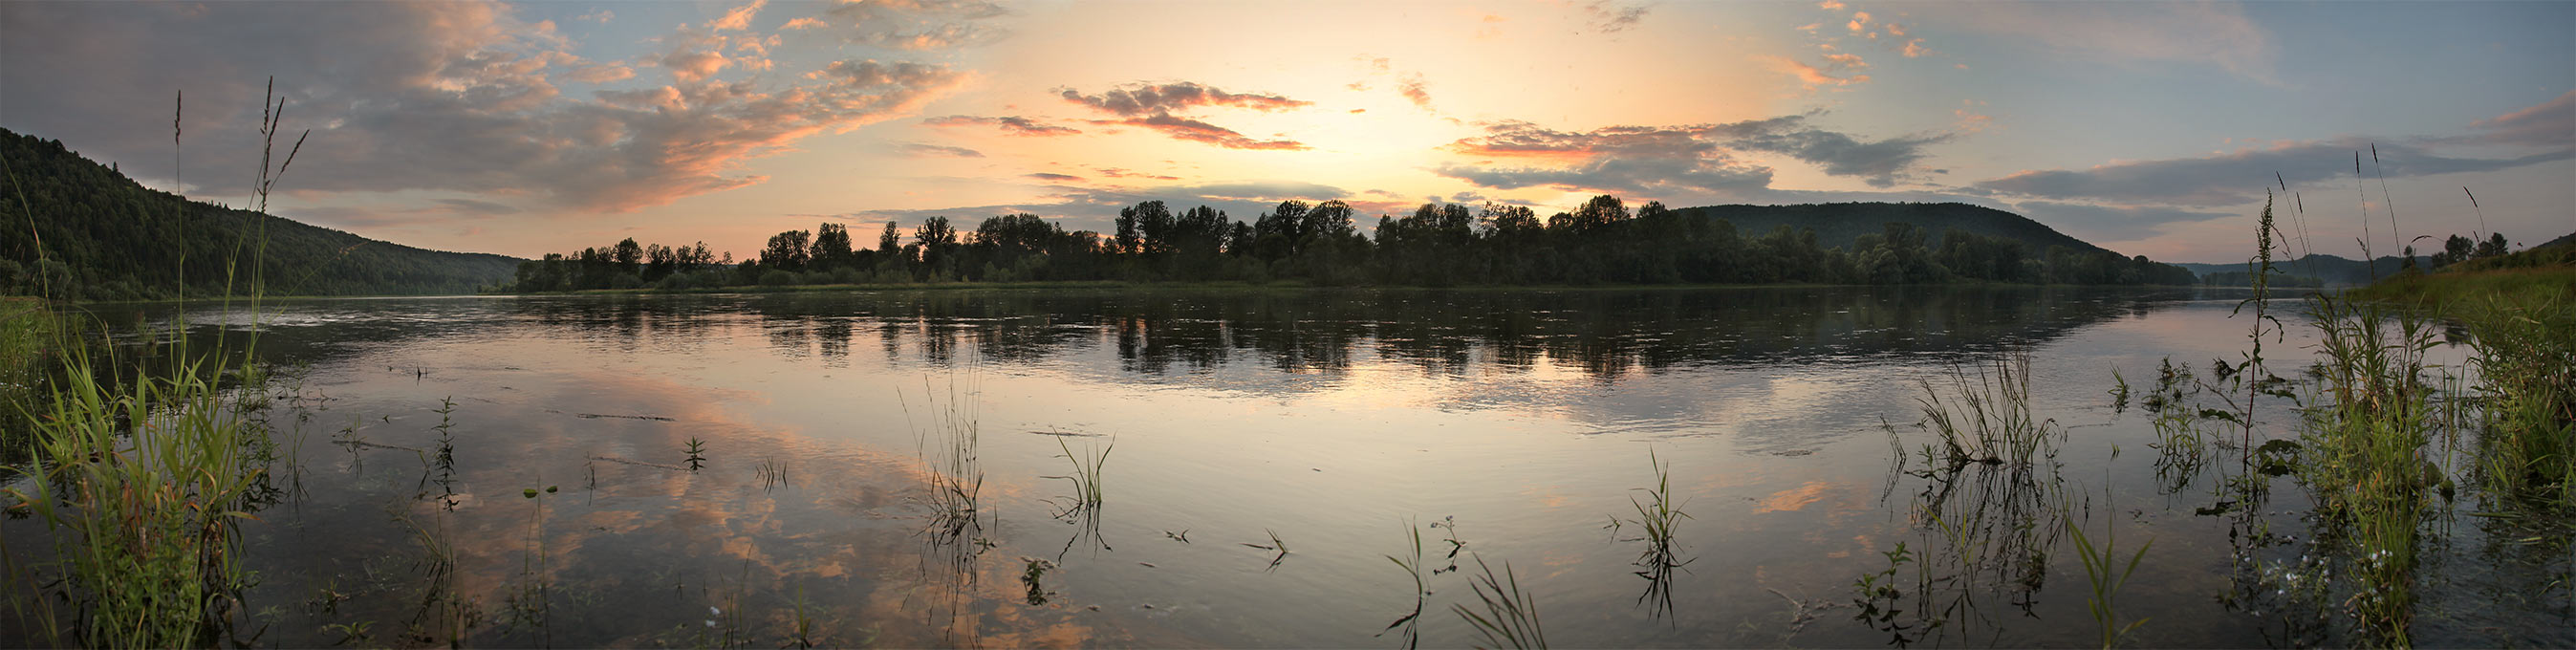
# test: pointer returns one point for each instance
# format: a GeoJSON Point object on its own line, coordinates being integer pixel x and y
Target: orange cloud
{"type": "Point", "coordinates": [739, 18]}
{"type": "Point", "coordinates": [1812, 76]}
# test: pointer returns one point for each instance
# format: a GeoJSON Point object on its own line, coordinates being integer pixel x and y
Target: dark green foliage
{"type": "Point", "coordinates": [1601, 242]}
{"type": "Point", "coordinates": [1841, 225]}
{"type": "Point", "coordinates": [104, 237]}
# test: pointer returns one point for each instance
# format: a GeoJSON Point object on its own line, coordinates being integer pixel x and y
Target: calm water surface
{"type": "Point", "coordinates": [1334, 419]}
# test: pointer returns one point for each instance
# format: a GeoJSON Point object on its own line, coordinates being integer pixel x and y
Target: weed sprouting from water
{"type": "Point", "coordinates": [1086, 475]}
{"type": "Point", "coordinates": [1413, 568]}
{"type": "Point", "coordinates": [772, 474]}
{"type": "Point", "coordinates": [1987, 508]}
{"type": "Point", "coordinates": [1507, 616]}
{"type": "Point", "coordinates": [1279, 548]}
{"type": "Point", "coordinates": [1033, 576]}
{"type": "Point", "coordinates": [802, 629]}
{"type": "Point", "coordinates": [1657, 516]}
{"type": "Point", "coordinates": [2104, 572]}
{"type": "Point", "coordinates": [1880, 601]}
{"type": "Point", "coordinates": [1987, 418]}
{"type": "Point", "coordinates": [948, 445]}
{"type": "Point", "coordinates": [697, 459]}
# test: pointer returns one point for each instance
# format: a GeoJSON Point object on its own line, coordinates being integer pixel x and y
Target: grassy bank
{"type": "Point", "coordinates": [2535, 278]}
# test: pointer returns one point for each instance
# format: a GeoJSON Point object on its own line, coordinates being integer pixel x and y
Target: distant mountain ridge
{"type": "Point", "coordinates": [105, 237]}
{"type": "Point", "coordinates": [2335, 271]}
{"type": "Point", "coordinates": [1841, 224]}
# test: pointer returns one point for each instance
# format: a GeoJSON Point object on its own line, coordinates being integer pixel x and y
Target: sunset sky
{"type": "Point", "coordinates": [524, 128]}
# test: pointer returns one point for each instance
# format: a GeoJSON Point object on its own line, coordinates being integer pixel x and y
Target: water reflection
{"type": "Point", "coordinates": [1602, 333]}
{"type": "Point", "coordinates": [1305, 424]}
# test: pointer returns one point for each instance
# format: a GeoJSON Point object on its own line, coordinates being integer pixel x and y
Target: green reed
{"type": "Point", "coordinates": [1086, 473]}
{"type": "Point", "coordinates": [2105, 574]}
{"type": "Point", "coordinates": [948, 445]}
{"type": "Point", "coordinates": [142, 480]}
{"type": "Point", "coordinates": [2363, 449]}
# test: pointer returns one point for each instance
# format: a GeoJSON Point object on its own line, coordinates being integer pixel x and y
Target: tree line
{"type": "Point", "coordinates": [1601, 242]}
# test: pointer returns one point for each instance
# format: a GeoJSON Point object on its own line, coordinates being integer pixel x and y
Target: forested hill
{"type": "Point", "coordinates": [106, 237]}
{"type": "Point", "coordinates": [2329, 269]}
{"type": "Point", "coordinates": [1843, 224]}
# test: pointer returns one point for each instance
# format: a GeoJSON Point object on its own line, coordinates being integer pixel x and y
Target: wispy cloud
{"type": "Point", "coordinates": [2551, 123]}
{"type": "Point", "coordinates": [905, 24]}
{"type": "Point", "coordinates": [2212, 33]}
{"type": "Point", "coordinates": [1009, 124]}
{"type": "Point", "coordinates": [1183, 128]}
{"type": "Point", "coordinates": [1416, 91]}
{"type": "Point", "coordinates": [2101, 223]}
{"type": "Point", "coordinates": [2238, 177]}
{"type": "Point", "coordinates": [1610, 17]}
{"type": "Point", "coordinates": [1151, 99]}
{"type": "Point", "coordinates": [939, 151]}
{"type": "Point", "coordinates": [1707, 158]}
{"type": "Point", "coordinates": [1153, 107]}
{"type": "Point", "coordinates": [1816, 76]}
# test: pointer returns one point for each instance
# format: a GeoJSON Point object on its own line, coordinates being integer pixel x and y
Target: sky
{"type": "Point", "coordinates": [523, 128]}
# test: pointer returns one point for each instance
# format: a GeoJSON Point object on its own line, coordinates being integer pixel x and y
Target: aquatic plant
{"type": "Point", "coordinates": [2099, 564]}
{"type": "Point", "coordinates": [948, 444]}
{"type": "Point", "coordinates": [1987, 416]}
{"type": "Point", "coordinates": [1086, 475]}
{"type": "Point", "coordinates": [2363, 448]}
{"type": "Point", "coordinates": [1508, 617]}
{"type": "Point", "coordinates": [141, 480]}
{"type": "Point", "coordinates": [772, 474]}
{"type": "Point", "coordinates": [1412, 568]}
{"type": "Point", "coordinates": [1032, 576]}
{"type": "Point", "coordinates": [2525, 351]}
{"type": "Point", "coordinates": [801, 627]}
{"type": "Point", "coordinates": [1878, 599]}
{"type": "Point", "coordinates": [697, 449]}
{"type": "Point", "coordinates": [1657, 516]}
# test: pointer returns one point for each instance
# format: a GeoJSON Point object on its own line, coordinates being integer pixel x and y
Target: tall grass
{"type": "Point", "coordinates": [1987, 417]}
{"type": "Point", "coordinates": [141, 485]}
{"type": "Point", "coordinates": [2526, 355]}
{"type": "Point", "coordinates": [2364, 455]}
{"type": "Point", "coordinates": [142, 480]}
